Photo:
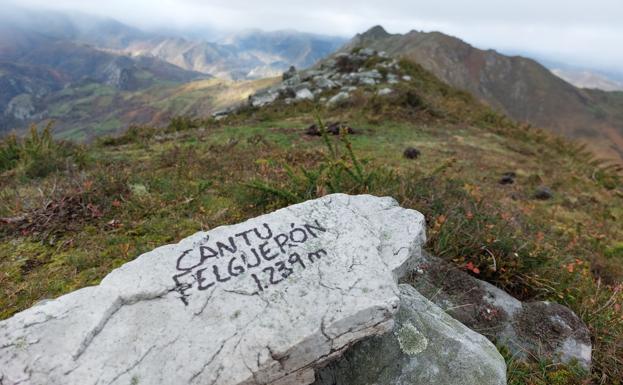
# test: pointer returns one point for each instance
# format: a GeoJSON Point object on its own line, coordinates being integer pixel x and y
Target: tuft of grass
{"type": "Point", "coordinates": [340, 170]}
{"type": "Point", "coordinates": [39, 154]}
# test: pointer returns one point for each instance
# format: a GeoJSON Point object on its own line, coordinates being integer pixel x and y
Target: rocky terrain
{"type": "Point", "coordinates": [335, 80]}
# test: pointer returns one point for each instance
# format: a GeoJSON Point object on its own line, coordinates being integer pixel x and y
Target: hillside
{"type": "Point", "coordinates": [41, 76]}
{"type": "Point", "coordinates": [517, 86]}
{"type": "Point", "coordinates": [91, 110]}
{"type": "Point", "coordinates": [250, 55]}
{"type": "Point", "coordinates": [71, 214]}
{"type": "Point", "coordinates": [96, 76]}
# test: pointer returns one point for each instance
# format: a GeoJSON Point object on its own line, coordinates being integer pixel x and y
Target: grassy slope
{"type": "Point", "coordinates": [520, 87]}
{"type": "Point", "coordinates": [156, 186]}
{"type": "Point", "coordinates": [92, 110]}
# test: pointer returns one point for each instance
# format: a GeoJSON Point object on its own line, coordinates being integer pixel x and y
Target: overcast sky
{"type": "Point", "coordinates": [580, 32]}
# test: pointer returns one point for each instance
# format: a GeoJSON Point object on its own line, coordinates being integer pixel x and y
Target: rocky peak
{"type": "Point", "coordinates": [336, 79]}
{"type": "Point", "coordinates": [375, 33]}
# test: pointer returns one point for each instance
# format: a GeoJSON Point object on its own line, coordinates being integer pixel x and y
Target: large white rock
{"type": "Point", "coordinates": [261, 302]}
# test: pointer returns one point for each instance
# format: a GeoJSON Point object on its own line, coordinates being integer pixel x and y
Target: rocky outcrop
{"type": "Point", "coordinates": [334, 81]}
{"type": "Point", "coordinates": [262, 302]}
{"type": "Point", "coordinates": [426, 346]}
{"type": "Point", "coordinates": [530, 329]}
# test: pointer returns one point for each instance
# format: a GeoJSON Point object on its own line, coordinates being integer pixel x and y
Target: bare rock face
{"type": "Point", "coordinates": [266, 301]}
{"type": "Point", "coordinates": [528, 329]}
{"type": "Point", "coordinates": [426, 346]}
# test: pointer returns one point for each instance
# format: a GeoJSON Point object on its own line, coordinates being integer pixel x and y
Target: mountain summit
{"type": "Point", "coordinates": [517, 86]}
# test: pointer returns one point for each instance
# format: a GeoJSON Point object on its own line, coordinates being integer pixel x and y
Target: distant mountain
{"type": "Point", "coordinates": [35, 67]}
{"type": "Point", "coordinates": [81, 70]}
{"type": "Point", "coordinates": [588, 79]}
{"type": "Point", "coordinates": [249, 55]}
{"type": "Point", "coordinates": [520, 87]}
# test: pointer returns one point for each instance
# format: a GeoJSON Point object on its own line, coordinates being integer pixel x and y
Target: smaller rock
{"type": "Point", "coordinates": [221, 114]}
{"type": "Point", "coordinates": [324, 83]}
{"type": "Point", "coordinates": [289, 73]}
{"type": "Point", "coordinates": [530, 329]}
{"type": "Point", "coordinates": [508, 178]}
{"type": "Point", "coordinates": [302, 86]}
{"type": "Point", "coordinates": [385, 91]}
{"type": "Point", "coordinates": [543, 193]}
{"type": "Point", "coordinates": [426, 346]}
{"type": "Point", "coordinates": [367, 52]}
{"type": "Point", "coordinates": [263, 98]}
{"type": "Point", "coordinates": [411, 153]}
{"type": "Point", "coordinates": [293, 81]}
{"type": "Point", "coordinates": [407, 78]}
{"type": "Point", "coordinates": [338, 98]}
{"type": "Point", "coordinates": [304, 94]}
{"type": "Point", "coordinates": [332, 128]}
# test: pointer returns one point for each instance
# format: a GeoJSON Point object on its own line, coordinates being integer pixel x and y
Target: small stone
{"type": "Point", "coordinates": [367, 52]}
{"type": "Point", "coordinates": [324, 83]}
{"type": "Point", "coordinates": [411, 153]}
{"type": "Point", "coordinates": [407, 78]}
{"type": "Point", "coordinates": [508, 178]}
{"type": "Point", "coordinates": [263, 98]}
{"type": "Point", "coordinates": [338, 98]}
{"type": "Point", "coordinates": [543, 193]}
{"type": "Point", "coordinates": [304, 94]}
{"type": "Point", "coordinates": [385, 91]}
{"type": "Point", "coordinates": [289, 73]}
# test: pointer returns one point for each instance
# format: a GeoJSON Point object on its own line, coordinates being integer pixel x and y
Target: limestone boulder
{"type": "Point", "coordinates": [426, 346]}
{"type": "Point", "coordinates": [266, 301]}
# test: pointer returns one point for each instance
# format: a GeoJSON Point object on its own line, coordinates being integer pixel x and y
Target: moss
{"type": "Point", "coordinates": [411, 340]}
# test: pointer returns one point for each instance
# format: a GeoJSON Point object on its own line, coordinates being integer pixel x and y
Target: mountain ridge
{"type": "Point", "coordinates": [517, 86]}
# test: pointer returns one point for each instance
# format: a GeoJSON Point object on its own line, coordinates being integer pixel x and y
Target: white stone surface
{"type": "Point", "coordinates": [165, 319]}
{"type": "Point", "coordinates": [304, 94]}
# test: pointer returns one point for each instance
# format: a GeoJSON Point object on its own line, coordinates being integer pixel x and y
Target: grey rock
{"type": "Point", "coordinates": [256, 302]}
{"type": "Point", "coordinates": [374, 74]}
{"type": "Point", "coordinates": [426, 346]}
{"type": "Point", "coordinates": [532, 329]}
{"type": "Point", "coordinates": [310, 74]}
{"type": "Point", "coordinates": [411, 153]}
{"type": "Point", "coordinates": [293, 81]}
{"type": "Point", "coordinates": [304, 94]}
{"type": "Point", "coordinates": [367, 81]}
{"type": "Point", "coordinates": [367, 52]}
{"type": "Point", "coordinates": [263, 98]}
{"type": "Point", "coordinates": [407, 78]}
{"type": "Point", "coordinates": [385, 91]}
{"type": "Point", "coordinates": [302, 86]}
{"type": "Point", "coordinates": [289, 73]}
{"type": "Point", "coordinates": [339, 98]}
{"type": "Point", "coordinates": [324, 83]}
{"type": "Point", "coordinates": [543, 193]}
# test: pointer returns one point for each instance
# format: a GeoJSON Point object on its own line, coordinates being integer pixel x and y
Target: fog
{"type": "Point", "coordinates": [578, 33]}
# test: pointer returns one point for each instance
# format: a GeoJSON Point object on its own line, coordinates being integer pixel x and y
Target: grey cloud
{"type": "Point", "coordinates": [584, 32]}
